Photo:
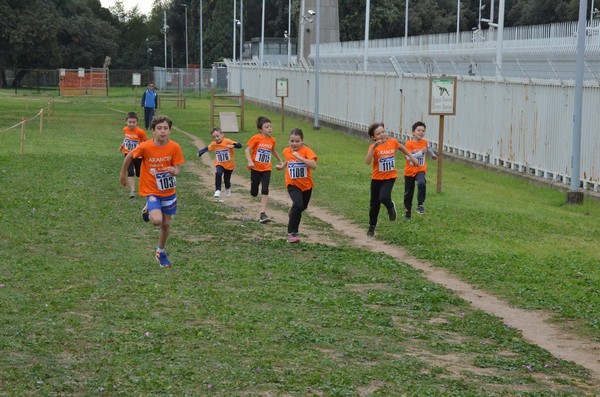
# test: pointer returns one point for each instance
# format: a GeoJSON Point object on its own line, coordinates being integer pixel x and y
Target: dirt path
{"type": "Point", "coordinates": [535, 326]}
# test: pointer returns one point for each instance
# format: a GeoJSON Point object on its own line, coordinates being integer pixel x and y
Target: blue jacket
{"type": "Point", "coordinates": [150, 99]}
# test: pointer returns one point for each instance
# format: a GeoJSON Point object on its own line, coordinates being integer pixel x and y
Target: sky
{"type": "Point", "coordinates": [145, 6]}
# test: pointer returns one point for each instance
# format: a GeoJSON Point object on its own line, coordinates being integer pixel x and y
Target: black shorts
{"type": "Point", "coordinates": [262, 178]}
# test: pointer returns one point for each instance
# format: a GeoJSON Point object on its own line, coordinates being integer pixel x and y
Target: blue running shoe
{"type": "Point", "coordinates": [163, 259]}
{"type": "Point", "coordinates": [145, 215]}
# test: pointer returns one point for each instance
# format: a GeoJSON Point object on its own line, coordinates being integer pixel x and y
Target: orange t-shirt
{"type": "Point", "coordinates": [262, 151]}
{"type": "Point", "coordinates": [384, 160]}
{"type": "Point", "coordinates": [133, 138]}
{"type": "Point", "coordinates": [411, 169]}
{"type": "Point", "coordinates": [154, 177]}
{"type": "Point", "coordinates": [223, 154]}
{"type": "Point", "coordinates": [297, 173]}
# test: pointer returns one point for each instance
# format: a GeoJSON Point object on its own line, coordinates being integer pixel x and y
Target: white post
{"type": "Point", "coordinates": [366, 49]}
{"type": "Point", "coordinates": [458, 22]}
{"type": "Point", "coordinates": [234, 28]}
{"type": "Point", "coordinates": [262, 36]}
{"type": "Point", "coordinates": [187, 59]}
{"type": "Point", "coordinates": [201, 47]}
{"type": "Point", "coordinates": [289, 43]}
{"type": "Point", "coordinates": [165, 27]}
{"type": "Point", "coordinates": [317, 44]}
{"type": "Point", "coordinates": [406, 23]}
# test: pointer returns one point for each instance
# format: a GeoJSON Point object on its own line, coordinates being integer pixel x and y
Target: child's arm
{"type": "Point", "coordinates": [202, 151]}
{"type": "Point", "coordinates": [404, 150]}
{"type": "Point", "coordinates": [123, 175]}
{"type": "Point", "coordinates": [312, 163]}
{"type": "Point", "coordinates": [277, 156]}
{"type": "Point", "coordinates": [433, 153]}
{"type": "Point", "coordinates": [174, 169]}
{"type": "Point", "coordinates": [248, 152]}
{"type": "Point", "coordinates": [369, 158]}
{"type": "Point", "coordinates": [281, 166]}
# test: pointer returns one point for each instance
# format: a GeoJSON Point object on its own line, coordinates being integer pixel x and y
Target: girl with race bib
{"type": "Point", "coordinates": [382, 156]}
{"type": "Point", "coordinates": [300, 160]}
{"type": "Point", "coordinates": [161, 158]}
{"type": "Point", "coordinates": [224, 160]}
{"type": "Point", "coordinates": [259, 150]}
{"type": "Point", "coordinates": [134, 135]}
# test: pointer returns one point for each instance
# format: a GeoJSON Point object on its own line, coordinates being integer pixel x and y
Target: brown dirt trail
{"type": "Point", "coordinates": [535, 326]}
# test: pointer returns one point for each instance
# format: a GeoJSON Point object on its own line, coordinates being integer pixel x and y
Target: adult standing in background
{"type": "Point", "coordinates": [149, 103]}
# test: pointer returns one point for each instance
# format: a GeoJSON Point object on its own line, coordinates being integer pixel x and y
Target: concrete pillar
{"type": "Point", "coordinates": [330, 25]}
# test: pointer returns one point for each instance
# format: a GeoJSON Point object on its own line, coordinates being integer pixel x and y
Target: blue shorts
{"type": "Point", "coordinates": [167, 205]}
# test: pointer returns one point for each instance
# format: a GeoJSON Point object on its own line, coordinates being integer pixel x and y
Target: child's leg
{"type": "Point", "coordinates": [265, 181]}
{"type": "Point", "coordinates": [298, 206]}
{"type": "Point", "coordinates": [165, 227]}
{"type": "Point", "coordinates": [374, 203]}
{"type": "Point", "coordinates": [219, 176]}
{"type": "Point", "coordinates": [255, 178]}
{"type": "Point", "coordinates": [421, 188]}
{"type": "Point", "coordinates": [385, 193]}
{"type": "Point", "coordinates": [131, 170]}
{"type": "Point", "coordinates": [409, 191]}
{"type": "Point", "coordinates": [131, 183]}
{"type": "Point", "coordinates": [227, 178]}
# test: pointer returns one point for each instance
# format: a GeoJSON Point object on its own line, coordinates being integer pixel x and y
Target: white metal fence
{"type": "Point", "coordinates": [520, 123]}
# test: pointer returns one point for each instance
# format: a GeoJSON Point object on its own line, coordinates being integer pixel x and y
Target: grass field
{"type": "Point", "coordinates": [87, 311]}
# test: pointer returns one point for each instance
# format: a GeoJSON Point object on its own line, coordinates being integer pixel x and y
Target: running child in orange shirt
{"type": "Point", "coordinates": [382, 154]}
{"type": "Point", "coordinates": [161, 158]}
{"type": "Point", "coordinates": [414, 172]}
{"type": "Point", "coordinates": [134, 135]}
{"type": "Point", "coordinates": [300, 160]}
{"type": "Point", "coordinates": [224, 160]}
{"type": "Point", "coordinates": [259, 150]}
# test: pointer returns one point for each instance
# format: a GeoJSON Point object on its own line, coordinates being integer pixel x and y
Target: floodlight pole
{"type": "Point", "coordinates": [234, 29]}
{"type": "Point", "coordinates": [574, 196]}
{"type": "Point", "coordinates": [317, 63]}
{"type": "Point", "coordinates": [289, 43]}
{"type": "Point", "coordinates": [187, 59]}
{"type": "Point", "coordinates": [262, 36]}
{"type": "Point", "coordinates": [405, 23]}
{"type": "Point", "coordinates": [164, 29]}
{"type": "Point", "coordinates": [458, 22]}
{"type": "Point", "coordinates": [366, 49]}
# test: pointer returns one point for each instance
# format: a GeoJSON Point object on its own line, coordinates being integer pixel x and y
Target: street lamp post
{"type": "Point", "coordinates": [262, 36]}
{"type": "Point", "coordinates": [405, 23]}
{"type": "Point", "coordinates": [234, 28]}
{"type": "Point", "coordinates": [289, 37]}
{"type": "Point", "coordinates": [317, 61]}
{"type": "Point", "coordinates": [201, 49]}
{"type": "Point", "coordinates": [187, 60]}
{"type": "Point", "coordinates": [164, 30]}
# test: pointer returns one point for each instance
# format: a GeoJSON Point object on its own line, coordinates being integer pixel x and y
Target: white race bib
{"type": "Point", "coordinates": [165, 181]}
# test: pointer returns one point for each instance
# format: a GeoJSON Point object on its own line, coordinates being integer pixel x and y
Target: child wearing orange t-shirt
{"type": "Point", "coordinates": [382, 155]}
{"type": "Point", "coordinates": [134, 135]}
{"type": "Point", "coordinates": [259, 150]}
{"type": "Point", "coordinates": [161, 158]}
{"type": "Point", "coordinates": [224, 160]}
{"type": "Point", "coordinates": [414, 172]}
{"type": "Point", "coordinates": [299, 161]}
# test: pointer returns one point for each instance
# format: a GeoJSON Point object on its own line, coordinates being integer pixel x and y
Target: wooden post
{"type": "Point", "coordinates": [440, 154]}
{"type": "Point", "coordinates": [22, 135]}
{"type": "Point", "coordinates": [42, 120]}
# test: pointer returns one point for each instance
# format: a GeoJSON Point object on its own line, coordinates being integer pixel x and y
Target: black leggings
{"type": "Point", "coordinates": [409, 189]}
{"type": "Point", "coordinates": [134, 167]}
{"type": "Point", "coordinates": [225, 175]}
{"type": "Point", "coordinates": [262, 178]}
{"type": "Point", "coordinates": [381, 193]}
{"type": "Point", "coordinates": [300, 200]}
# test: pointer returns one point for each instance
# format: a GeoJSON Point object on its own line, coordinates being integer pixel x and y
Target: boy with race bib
{"type": "Point", "coordinates": [161, 158]}
{"type": "Point", "coordinates": [382, 155]}
{"type": "Point", "coordinates": [414, 173]}
{"type": "Point", "coordinates": [299, 161]}
{"type": "Point", "coordinates": [224, 160]}
{"type": "Point", "coordinates": [134, 135]}
{"type": "Point", "coordinates": [259, 150]}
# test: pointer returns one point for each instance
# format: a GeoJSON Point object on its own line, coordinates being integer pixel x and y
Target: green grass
{"type": "Point", "coordinates": [87, 311]}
